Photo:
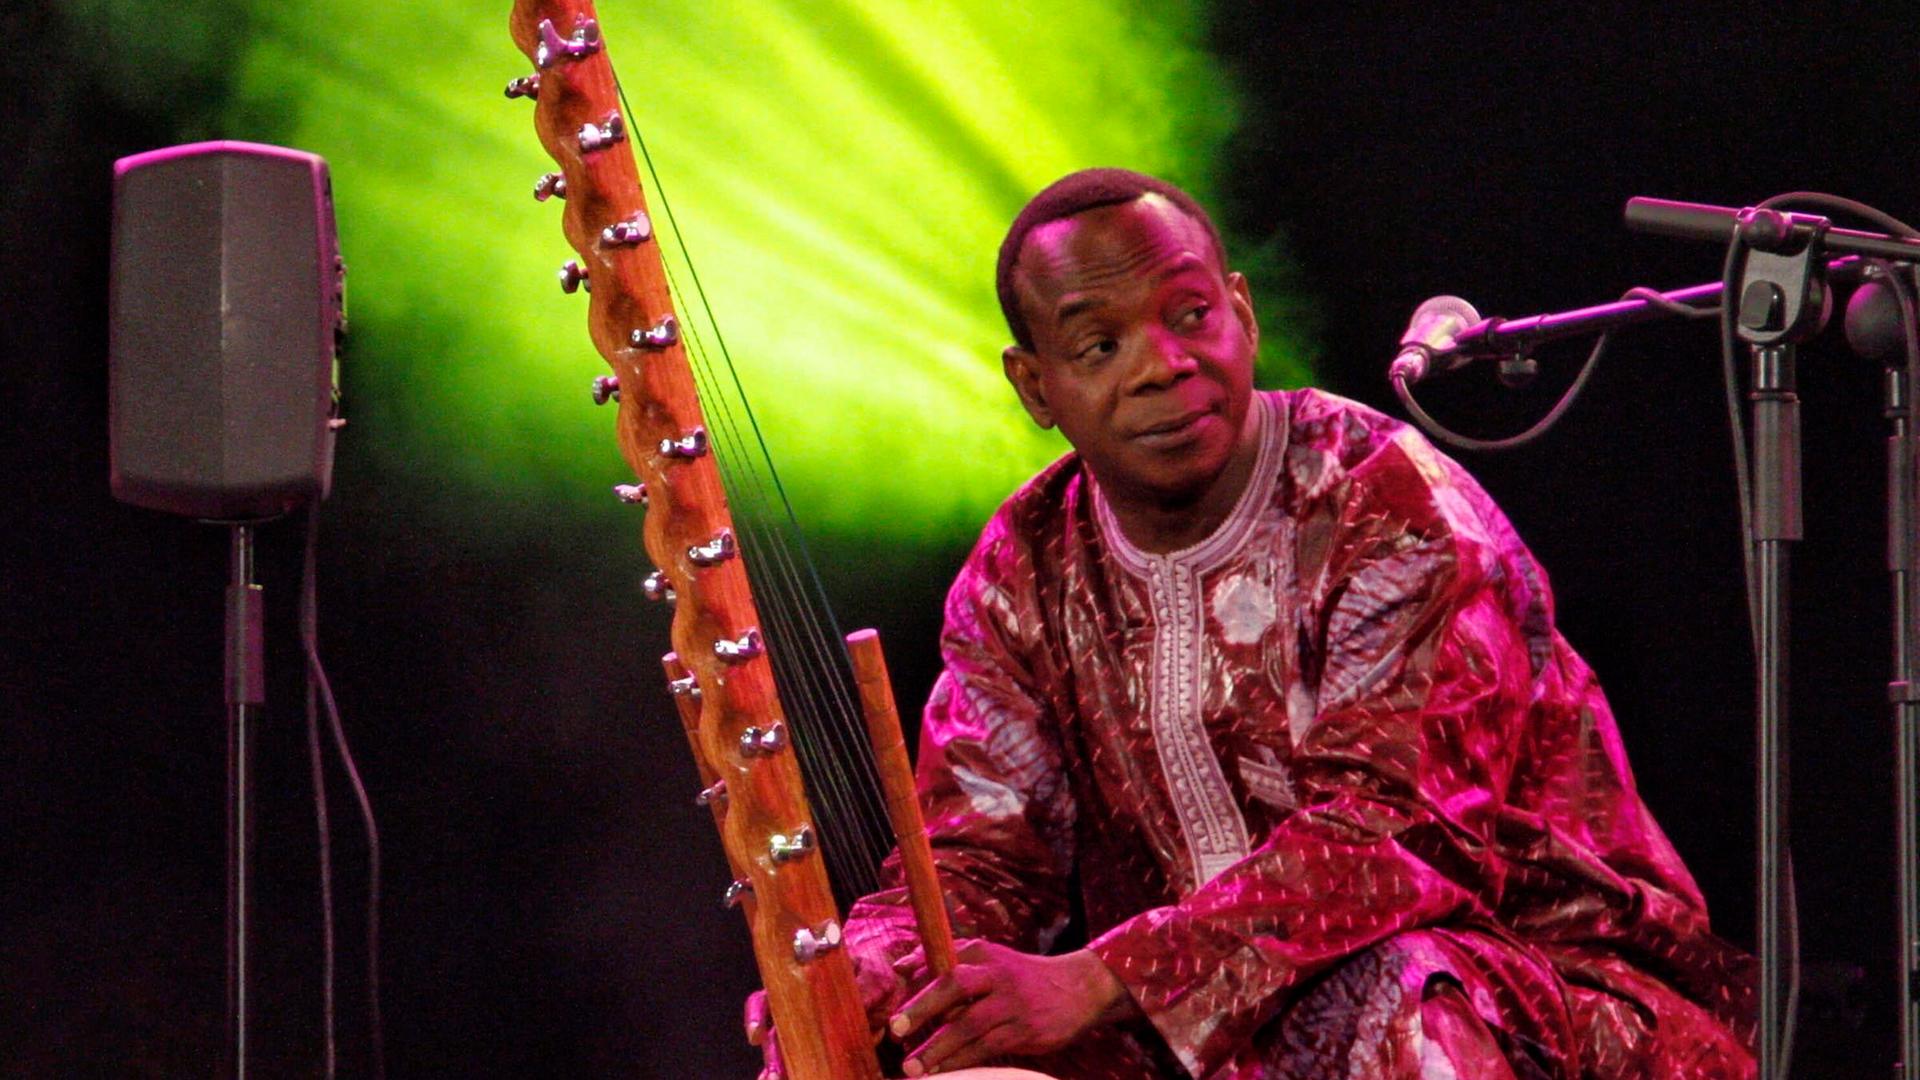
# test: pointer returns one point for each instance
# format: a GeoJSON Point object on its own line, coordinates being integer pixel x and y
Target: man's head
{"type": "Point", "coordinates": [1088, 189]}
{"type": "Point", "coordinates": [1132, 336]}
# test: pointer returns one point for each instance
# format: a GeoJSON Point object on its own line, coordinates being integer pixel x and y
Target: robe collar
{"type": "Point", "coordinates": [1227, 537]}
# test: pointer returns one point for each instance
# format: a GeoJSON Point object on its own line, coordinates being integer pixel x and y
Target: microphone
{"type": "Point", "coordinates": [1429, 345]}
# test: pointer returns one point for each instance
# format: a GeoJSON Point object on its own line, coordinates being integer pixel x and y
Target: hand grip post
{"type": "Point", "coordinates": [903, 801]}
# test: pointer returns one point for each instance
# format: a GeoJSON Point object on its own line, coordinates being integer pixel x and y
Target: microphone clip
{"type": "Point", "coordinates": [1517, 370]}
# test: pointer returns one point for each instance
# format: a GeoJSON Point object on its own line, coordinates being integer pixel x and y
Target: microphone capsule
{"type": "Point", "coordinates": [1432, 335]}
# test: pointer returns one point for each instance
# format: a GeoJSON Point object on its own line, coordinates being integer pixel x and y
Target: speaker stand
{"type": "Point", "coordinates": [245, 694]}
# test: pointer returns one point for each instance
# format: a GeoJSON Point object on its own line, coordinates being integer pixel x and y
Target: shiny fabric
{"type": "Point", "coordinates": [1341, 731]}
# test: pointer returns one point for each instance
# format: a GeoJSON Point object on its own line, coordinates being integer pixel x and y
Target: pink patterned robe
{"type": "Point", "coordinates": [1334, 797]}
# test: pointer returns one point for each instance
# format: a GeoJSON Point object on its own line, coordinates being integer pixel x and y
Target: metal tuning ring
{"type": "Point", "coordinates": [658, 336]}
{"type": "Point", "coordinates": [736, 892]}
{"type": "Point", "coordinates": [554, 48]}
{"type": "Point", "coordinates": [759, 742]}
{"type": "Point", "coordinates": [657, 588]}
{"type": "Point", "coordinates": [602, 135]}
{"type": "Point", "coordinates": [709, 796]}
{"type": "Point", "coordinates": [573, 276]}
{"type": "Point", "coordinates": [631, 494]}
{"type": "Point", "coordinates": [688, 687]}
{"type": "Point", "coordinates": [551, 185]}
{"type": "Point", "coordinates": [606, 388]}
{"type": "Point", "coordinates": [715, 551]}
{"type": "Point", "coordinates": [526, 86]}
{"type": "Point", "coordinates": [691, 445]}
{"type": "Point", "coordinates": [809, 945]}
{"type": "Point", "coordinates": [742, 650]}
{"type": "Point", "coordinates": [785, 849]}
{"type": "Point", "coordinates": [634, 230]}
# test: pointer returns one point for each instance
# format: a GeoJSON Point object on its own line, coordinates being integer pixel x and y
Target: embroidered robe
{"type": "Point", "coordinates": [1342, 719]}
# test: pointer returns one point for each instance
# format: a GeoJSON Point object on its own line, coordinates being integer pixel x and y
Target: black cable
{"type": "Point", "coordinates": [309, 624]}
{"type": "Point", "coordinates": [317, 676]}
{"type": "Point", "coordinates": [1789, 1022]}
{"type": "Point", "coordinates": [1841, 205]}
{"type": "Point", "coordinates": [1730, 271]}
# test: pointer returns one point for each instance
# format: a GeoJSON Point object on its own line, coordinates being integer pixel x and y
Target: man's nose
{"type": "Point", "coordinates": [1161, 359]}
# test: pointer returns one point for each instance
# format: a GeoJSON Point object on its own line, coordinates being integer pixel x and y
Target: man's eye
{"type": "Point", "coordinates": [1195, 315]}
{"type": "Point", "coordinates": [1099, 350]}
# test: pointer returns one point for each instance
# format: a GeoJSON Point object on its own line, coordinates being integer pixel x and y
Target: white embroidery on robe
{"type": "Point", "coordinates": [1215, 832]}
{"type": "Point", "coordinates": [1267, 779]}
{"type": "Point", "coordinates": [987, 797]}
{"type": "Point", "coordinates": [1210, 820]}
{"type": "Point", "coordinates": [1244, 609]}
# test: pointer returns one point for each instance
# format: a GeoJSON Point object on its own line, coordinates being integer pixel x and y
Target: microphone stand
{"type": "Point", "coordinates": [1782, 300]}
{"type": "Point", "coordinates": [1778, 276]}
{"type": "Point", "coordinates": [1903, 566]}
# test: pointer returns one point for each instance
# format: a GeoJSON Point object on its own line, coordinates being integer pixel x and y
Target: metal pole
{"type": "Point", "coordinates": [1777, 524]}
{"type": "Point", "coordinates": [245, 693]}
{"type": "Point", "coordinates": [1901, 448]}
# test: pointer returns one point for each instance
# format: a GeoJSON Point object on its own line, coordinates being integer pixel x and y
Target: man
{"type": "Point", "coordinates": [1268, 692]}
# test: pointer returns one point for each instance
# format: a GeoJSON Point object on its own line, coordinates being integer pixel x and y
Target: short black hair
{"type": "Point", "coordinates": [1075, 193]}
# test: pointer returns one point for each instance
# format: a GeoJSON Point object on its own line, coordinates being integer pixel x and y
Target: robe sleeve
{"type": "Point", "coordinates": [998, 807]}
{"type": "Point", "coordinates": [1425, 684]}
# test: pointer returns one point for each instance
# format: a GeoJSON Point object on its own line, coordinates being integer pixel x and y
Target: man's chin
{"type": "Point", "coordinates": [1184, 489]}
{"type": "Point", "coordinates": [1169, 479]}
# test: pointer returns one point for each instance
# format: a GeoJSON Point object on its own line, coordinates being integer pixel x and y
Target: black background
{"type": "Point", "coordinates": [549, 889]}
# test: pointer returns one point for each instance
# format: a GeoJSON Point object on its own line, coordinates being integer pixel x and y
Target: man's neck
{"type": "Point", "coordinates": [1158, 526]}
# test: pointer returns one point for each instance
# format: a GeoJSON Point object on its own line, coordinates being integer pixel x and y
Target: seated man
{"type": "Point", "coordinates": [1268, 692]}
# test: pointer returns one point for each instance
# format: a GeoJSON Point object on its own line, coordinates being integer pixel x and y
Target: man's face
{"type": "Point", "coordinates": [1143, 347]}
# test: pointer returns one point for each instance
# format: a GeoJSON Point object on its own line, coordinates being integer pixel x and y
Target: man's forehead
{"type": "Point", "coordinates": [1109, 244]}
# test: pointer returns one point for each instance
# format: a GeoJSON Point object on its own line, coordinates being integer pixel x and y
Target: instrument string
{"type": "Point", "coordinates": [826, 745]}
{"type": "Point", "coordinates": [810, 667]}
{"type": "Point", "coordinates": [772, 591]}
{"type": "Point", "coordinates": [802, 693]}
{"type": "Point", "coordinates": [784, 589]}
{"type": "Point", "coordinates": [800, 689]}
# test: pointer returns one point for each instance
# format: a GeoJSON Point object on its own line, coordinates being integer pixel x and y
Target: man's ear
{"type": "Point", "coordinates": [1023, 372]}
{"type": "Point", "coordinates": [1242, 301]}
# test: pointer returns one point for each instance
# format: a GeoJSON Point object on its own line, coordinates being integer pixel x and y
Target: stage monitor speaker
{"type": "Point", "coordinates": [226, 312]}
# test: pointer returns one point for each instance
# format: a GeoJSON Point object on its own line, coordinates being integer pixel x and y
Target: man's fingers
{"type": "Point", "coordinates": [935, 999]}
{"type": "Point", "coordinates": [757, 1020]}
{"type": "Point", "coordinates": [912, 967]}
{"type": "Point", "coordinates": [773, 1068]}
{"type": "Point", "coordinates": [966, 1039]}
{"type": "Point", "coordinates": [938, 998]}
{"type": "Point", "coordinates": [759, 1025]}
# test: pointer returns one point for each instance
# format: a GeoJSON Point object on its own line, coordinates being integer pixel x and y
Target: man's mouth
{"type": "Point", "coordinates": [1172, 430]}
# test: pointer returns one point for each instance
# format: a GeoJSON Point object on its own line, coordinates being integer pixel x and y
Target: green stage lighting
{"type": "Point", "coordinates": [842, 174]}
